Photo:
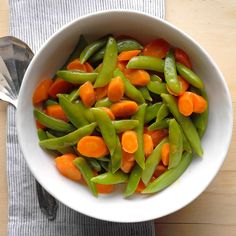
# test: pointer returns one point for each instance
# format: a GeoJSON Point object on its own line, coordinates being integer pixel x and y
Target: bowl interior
{"type": "Point", "coordinates": [112, 208]}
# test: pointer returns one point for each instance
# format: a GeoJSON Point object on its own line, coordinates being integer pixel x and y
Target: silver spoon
{"type": "Point", "coordinates": [15, 57]}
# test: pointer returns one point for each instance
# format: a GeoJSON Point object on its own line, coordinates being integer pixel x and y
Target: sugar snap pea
{"type": "Point", "coordinates": [50, 102]}
{"type": "Point", "coordinates": [123, 125]}
{"type": "Point", "coordinates": [107, 129]}
{"type": "Point", "coordinates": [139, 154]}
{"type": "Point", "coordinates": [171, 74]}
{"type": "Point", "coordinates": [94, 164]}
{"type": "Point", "coordinates": [157, 87]}
{"type": "Point", "coordinates": [42, 134]}
{"type": "Point", "coordinates": [87, 173]}
{"type": "Point", "coordinates": [186, 145]}
{"type": "Point", "coordinates": [52, 122]}
{"type": "Point", "coordinates": [72, 111]}
{"type": "Point", "coordinates": [155, 78]}
{"type": "Point", "coordinates": [186, 124]}
{"type": "Point", "coordinates": [116, 157]}
{"type": "Point", "coordinates": [109, 178]}
{"type": "Point", "coordinates": [162, 113]}
{"type": "Point", "coordinates": [104, 102]}
{"type": "Point", "coordinates": [104, 165]}
{"type": "Point", "coordinates": [133, 181]}
{"type": "Point", "coordinates": [146, 63]}
{"type": "Point", "coordinates": [176, 143]}
{"type": "Point", "coordinates": [189, 76]}
{"type": "Point", "coordinates": [77, 77]}
{"type": "Point", "coordinates": [69, 139]}
{"type": "Point", "coordinates": [130, 90]}
{"type": "Point", "coordinates": [161, 124]}
{"type": "Point", "coordinates": [122, 45]}
{"type": "Point", "coordinates": [146, 94]}
{"type": "Point", "coordinates": [152, 162]}
{"type": "Point", "coordinates": [151, 111]}
{"type": "Point", "coordinates": [108, 65]}
{"type": "Point", "coordinates": [170, 176]}
{"type": "Point", "coordinates": [91, 49]}
{"type": "Point", "coordinates": [74, 95]}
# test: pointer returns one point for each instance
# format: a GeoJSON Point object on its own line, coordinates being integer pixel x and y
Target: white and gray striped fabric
{"type": "Point", "coordinates": [33, 21]}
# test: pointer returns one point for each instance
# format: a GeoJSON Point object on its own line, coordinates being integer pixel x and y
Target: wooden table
{"type": "Point", "coordinates": [213, 25]}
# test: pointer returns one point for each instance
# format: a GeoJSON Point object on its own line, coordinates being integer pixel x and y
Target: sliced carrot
{"type": "Point", "coordinates": [41, 92]}
{"type": "Point", "coordinates": [101, 92]}
{"type": "Point", "coordinates": [56, 111]}
{"type": "Point", "coordinates": [137, 77]}
{"type": "Point", "coordinates": [109, 112]}
{"type": "Point", "coordinates": [185, 104]}
{"type": "Point", "coordinates": [157, 48]}
{"type": "Point", "coordinates": [121, 65]}
{"type": "Point", "coordinates": [199, 103]}
{"type": "Point", "coordinates": [129, 141]}
{"type": "Point", "coordinates": [66, 167]}
{"type": "Point", "coordinates": [39, 125]}
{"type": "Point", "coordinates": [159, 170]}
{"type": "Point", "coordinates": [116, 89]}
{"type": "Point", "coordinates": [182, 57]}
{"type": "Point", "coordinates": [127, 161]}
{"type": "Point", "coordinates": [76, 65]}
{"type": "Point", "coordinates": [59, 86]}
{"type": "Point", "coordinates": [92, 146]}
{"type": "Point", "coordinates": [124, 109]}
{"type": "Point", "coordinates": [89, 68]}
{"type": "Point", "coordinates": [148, 144]}
{"type": "Point", "coordinates": [141, 187]}
{"type": "Point", "coordinates": [184, 87]}
{"type": "Point", "coordinates": [165, 153]}
{"type": "Point", "coordinates": [87, 94]}
{"type": "Point", "coordinates": [127, 55]}
{"type": "Point", "coordinates": [105, 188]}
{"type": "Point", "coordinates": [157, 135]}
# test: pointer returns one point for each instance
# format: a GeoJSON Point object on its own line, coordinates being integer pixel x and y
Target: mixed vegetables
{"type": "Point", "coordinates": [137, 118]}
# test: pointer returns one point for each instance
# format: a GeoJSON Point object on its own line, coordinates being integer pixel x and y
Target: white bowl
{"type": "Point", "coordinates": [114, 207]}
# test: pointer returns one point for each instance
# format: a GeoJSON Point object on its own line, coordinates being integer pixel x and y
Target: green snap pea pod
{"type": "Point", "coordinates": [133, 181]}
{"type": "Point", "coordinates": [152, 162]}
{"type": "Point", "coordinates": [130, 90]}
{"type": "Point", "coordinates": [50, 102]}
{"type": "Point", "coordinates": [94, 164]}
{"type": "Point", "coordinates": [157, 87]}
{"type": "Point", "coordinates": [91, 49]}
{"type": "Point", "coordinates": [151, 111]}
{"type": "Point", "coordinates": [161, 124]}
{"type": "Point", "coordinates": [52, 123]}
{"type": "Point", "coordinates": [104, 165]}
{"type": "Point", "coordinates": [104, 102]}
{"type": "Point", "coordinates": [185, 123]}
{"type": "Point", "coordinates": [104, 159]}
{"type": "Point", "coordinates": [41, 134]}
{"type": "Point", "coordinates": [74, 95]}
{"type": "Point", "coordinates": [116, 157]}
{"type": "Point", "coordinates": [139, 154]}
{"type": "Point", "coordinates": [107, 129]}
{"type": "Point", "coordinates": [108, 65]}
{"type": "Point", "coordinates": [109, 178]}
{"type": "Point", "coordinates": [200, 120]}
{"type": "Point", "coordinates": [162, 113]}
{"type": "Point", "coordinates": [170, 176]}
{"type": "Point", "coordinates": [69, 139]}
{"type": "Point", "coordinates": [145, 93]}
{"type": "Point", "coordinates": [62, 150]}
{"type": "Point", "coordinates": [155, 78]}
{"type": "Point", "coordinates": [176, 143]}
{"type": "Point", "coordinates": [189, 76]}
{"type": "Point", "coordinates": [123, 125]}
{"type": "Point", "coordinates": [146, 63]}
{"type": "Point", "coordinates": [186, 145]}
{"type": "Point", "coordinates": [171, 74]}
{"type": "Point", "coordinates": [77, 77]}
{"type": "Point", "coordinates": [87, 173]}
{"type": "Point", "coordinates": [122, 45]}
{"type": "Point", "coordinates": [72, 111]}
{"type": "Point", "coordinates": [57, 133]}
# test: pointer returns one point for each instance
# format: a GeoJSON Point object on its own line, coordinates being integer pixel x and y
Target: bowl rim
{"type": "Point", "coordinates": [145, 217]}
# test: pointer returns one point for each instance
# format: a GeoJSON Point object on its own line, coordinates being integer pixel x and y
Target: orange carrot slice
{"type": "Point", "coordinates": [87, 94]}
{"type": "Point", "coordinates": [129, 141]}
{"type": "Point", "coordinates": [148, 144]}
{"type": "Point", "coordinates": [109, 112]}
{"type": "Point", "coordinates": [127, 161]}
{"type": "Point", "coordinates": [141, 187]}
{"type": "Point", "coordinates": [199, 103]}
{"type": "Point", "coordinates": [165, 152]}
{"type": "Point", "coordinates": [101, 92]}
{"type": "Point", "coordinates": [92, 146]}
{"type": "Point", "coordinates": [41, 92]}
{"type": "Point", "coordinates": [184, 87]}
{"type": "Point", "coordinates": [124, 109]}
{"type": "Point", "coordinates": [105, 188]}
{"type": "Point", "coordinates": [159, 170]}
{"type": "Point", "coordinates": [66, 167]}
{"type": "Point", "coordinates": [182, 57]}
{"type": "Point", "coordinates": [121, 65]}
{"type": "Point", "coordinates": [116, 89]}
{"type": "Point", "coordinates": [185, 104]}
{"type": "Point", "coordinates": [76, 65]}
{"type": "Point", "coordinates": [137, 77]}
{"type": "Point", "coordinates": [56, 111]}
{"type": "Point", "coordinates": [39, 125]}
{"type": "Point", "coordinates": [157, 135]}
{"type": "Point", "coordinates": [127, 55]}
{"type": "Point", "coordinates": [88, 67]}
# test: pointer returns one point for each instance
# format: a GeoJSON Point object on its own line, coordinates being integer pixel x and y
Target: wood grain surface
{"type": "Point", "coordinates": [213, 25]}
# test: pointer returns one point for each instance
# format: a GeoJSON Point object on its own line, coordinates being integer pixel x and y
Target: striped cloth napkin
{"type": "Point", "coordinates": [33, 21]}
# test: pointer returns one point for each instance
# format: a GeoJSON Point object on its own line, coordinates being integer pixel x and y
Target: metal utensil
{"type": "Point", "coordinates": [15, 57]}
